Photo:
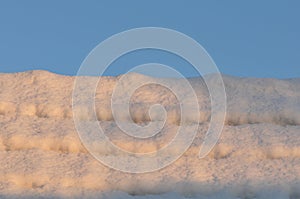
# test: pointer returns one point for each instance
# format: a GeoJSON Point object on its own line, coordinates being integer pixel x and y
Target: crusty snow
{"type": "Point", "coordinates": [257, 156]}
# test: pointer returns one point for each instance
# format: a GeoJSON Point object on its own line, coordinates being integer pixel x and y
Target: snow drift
{"type": "Point", "coordinates": [257, 156]}
{"type": "Point", "coordinates": [46, 95]}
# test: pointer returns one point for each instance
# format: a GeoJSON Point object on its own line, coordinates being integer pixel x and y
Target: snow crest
{"type": "Point", "coordinates": [249, 100]}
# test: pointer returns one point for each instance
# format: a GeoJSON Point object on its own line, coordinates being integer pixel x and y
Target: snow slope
{"type": "Point", "coordinates": [257, 156]}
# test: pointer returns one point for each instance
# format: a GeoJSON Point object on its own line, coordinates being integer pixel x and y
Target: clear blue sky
{"type": "Point", "coordinates": [245, 38]}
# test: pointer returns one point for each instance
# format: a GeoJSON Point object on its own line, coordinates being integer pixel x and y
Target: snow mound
{"type": "Point", "coordinates": [257, 155]}
{"type": "Point", "coordinates": [249, 100]}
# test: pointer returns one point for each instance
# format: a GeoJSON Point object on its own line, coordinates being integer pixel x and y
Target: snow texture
{"type": "Point", "coordinates": [257, 156]}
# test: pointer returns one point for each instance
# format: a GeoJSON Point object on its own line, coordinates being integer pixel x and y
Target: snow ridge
{"type": "Point", "coordinates": [249, 100]}
{"type": "Point", "coordinates": [256, 157]}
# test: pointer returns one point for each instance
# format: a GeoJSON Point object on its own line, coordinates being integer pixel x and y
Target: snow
{"type": "Point", "coordinates": [257, 156]}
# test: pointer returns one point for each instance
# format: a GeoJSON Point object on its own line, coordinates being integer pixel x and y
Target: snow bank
{"type": "Point", "coordinates": [257, 156]}
{"type": "Point", "coordinates": [249, 100]}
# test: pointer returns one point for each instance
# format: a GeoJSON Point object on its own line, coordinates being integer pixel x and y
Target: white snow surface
{"type": "Point", "coordinates": [257, 156]}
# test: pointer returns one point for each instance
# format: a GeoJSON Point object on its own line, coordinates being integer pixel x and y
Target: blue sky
{"type": "Point", "coordinates": [245, 38]}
